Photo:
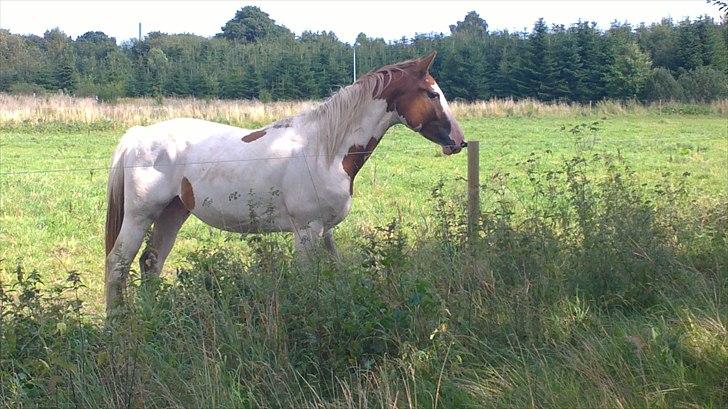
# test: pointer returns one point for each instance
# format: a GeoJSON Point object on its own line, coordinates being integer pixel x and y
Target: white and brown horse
{"type": "Point", "coordinates": [300, 169]}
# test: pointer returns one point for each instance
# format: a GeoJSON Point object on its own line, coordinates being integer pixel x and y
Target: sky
{"type": "Point", "coordinates": [390, 20]}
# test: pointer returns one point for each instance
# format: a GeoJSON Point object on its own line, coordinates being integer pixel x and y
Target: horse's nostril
{"type": "Point", "coordinates": [463, 144]}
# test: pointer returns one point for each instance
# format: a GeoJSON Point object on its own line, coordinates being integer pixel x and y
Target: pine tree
{"type": "Point", "coordinates": [44, 77]}
{"type": "Point", "coordinates": [460, 74]}
{"type": "Point", "coordinates": [157, 63]}
{"type": "Point", "coordinates": [508, 81]}
{"type": "Point", "coordinates": [569, 67]}
{"type": "Point", "coordinates": [231, 85]}
{"type": "Point", "coordinates": [116, 67]}
{"type": "Point", "coordinates": [690, 50]}
{"type": "Point", "coordinates": [659, 41]}
{"type": "Point", "coordinates": [539, 72]}
{"type": "Point", "coordinates": [250, 83]}
{"type": "Point", "coordinates": [177, 82]}
{"type": "Point", "coordinates": [531, 70]}
{"type": "Point", "coordinates": [279, 80]}
{"type": "Point", "coordinates": [301, 84]}
{"type": "Point", "coordinates": [202, 85]}
{"type": "Point", "coordinates": [591, 54]}
{"type": "Point", "coordinates": [715, 50]}
{"type": "Point", "coordinates": [255, 58]}
{"type": "Point", "coordinates": [489, 69]}
{"type": "Point", "coordinates": [65, 75]}
{"type": "Point", "coordinates": [553, 85]}
{"type": "Point", "coordinates": [454, 71]}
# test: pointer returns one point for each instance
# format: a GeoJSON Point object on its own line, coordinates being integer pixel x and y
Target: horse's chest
{"type": "Point", "coordinates": [324, 198]}
{"type": "Point", "coordinates": [336, 208]}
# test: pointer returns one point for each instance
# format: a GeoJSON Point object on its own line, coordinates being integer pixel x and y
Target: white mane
{"type": "Point", "coordinates": [341, 114]}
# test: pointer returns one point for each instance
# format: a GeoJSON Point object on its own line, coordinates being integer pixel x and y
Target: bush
{"type": "Point", "coordinates": [662, 86]}
{"type": "Point", "coordinates": [704, 84]}
{"type": "Point", "coordinates": [26, 88]}
{"type": "Point", "coordinates": [107, 92]}
{"type": "Point", "coordinates": [581, 284]}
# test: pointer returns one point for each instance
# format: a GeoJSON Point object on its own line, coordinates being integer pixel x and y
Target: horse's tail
{"type": "Point", "coordinates": [115, 199]}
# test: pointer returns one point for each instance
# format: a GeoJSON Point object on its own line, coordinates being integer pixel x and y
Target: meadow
{"type": "Point", "coordinates": [598, 277]}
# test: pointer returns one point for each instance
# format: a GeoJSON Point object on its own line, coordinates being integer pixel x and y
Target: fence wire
{"type": "Point", "coordinates": [592, 143]}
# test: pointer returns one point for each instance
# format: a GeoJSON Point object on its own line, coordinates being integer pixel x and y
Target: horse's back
{"type": "Point", "coordinates": [155, 156]}
{"type": "Point", "coordinates": [173, 137]}
{"type": "Point", "coordinates": [190, 124]}
{"type": "Point", "coordinates": [181, 129]}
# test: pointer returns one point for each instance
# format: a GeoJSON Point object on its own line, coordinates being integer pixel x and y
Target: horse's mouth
{"type": "Point", "coordinates": [451, 149]}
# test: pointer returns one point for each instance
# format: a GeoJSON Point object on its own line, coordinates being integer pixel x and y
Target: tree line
{"type": "Point", "coordinates": [253, 57]}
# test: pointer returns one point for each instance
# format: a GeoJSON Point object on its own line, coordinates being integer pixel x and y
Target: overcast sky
{"type": "Point", "coordinates": [388, 19]}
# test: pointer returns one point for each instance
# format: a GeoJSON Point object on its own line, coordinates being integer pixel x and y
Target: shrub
{"type": "Point", "coordinates": [662, 86]}
{"type": "Point", "coordinates": [704, 84]}
{"type": "Point", "coordinates": [106, 92]}
{"type": "Point", "coordinates": [25, 88]}
{"type": "Point", "coordinates": [581, 284]}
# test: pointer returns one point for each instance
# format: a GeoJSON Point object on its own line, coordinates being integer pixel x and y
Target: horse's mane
{"type": "Point", "coordinates": [340, 115]}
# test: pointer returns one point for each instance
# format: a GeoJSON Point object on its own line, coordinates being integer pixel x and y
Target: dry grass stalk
{"type": "Point", "coordinates": [139, 111]}
{"type": "Point", "coordinates": [17, 109]}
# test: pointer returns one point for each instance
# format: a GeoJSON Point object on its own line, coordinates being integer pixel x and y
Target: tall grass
{"type": "Point", "coordinates": [19, 109]}
{"type": "Point", "coordinates": [597, 291]}
{"type": "Point", "coordinates": [30, 110]}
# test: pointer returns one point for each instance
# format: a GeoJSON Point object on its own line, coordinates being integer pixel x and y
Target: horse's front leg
{"type": "Point", "coordinates": [329, 244]}
{"type": "Point", "coordinates": [308, 241]}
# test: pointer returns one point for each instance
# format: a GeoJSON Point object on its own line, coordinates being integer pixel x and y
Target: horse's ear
{"type": "Point", "coordinates": [424, 63]}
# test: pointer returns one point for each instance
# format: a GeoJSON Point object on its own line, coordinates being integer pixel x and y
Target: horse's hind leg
{"type": "Point", "coordinates": [164, 233]}
{"type": "Point", "coordinates": [120, 257]}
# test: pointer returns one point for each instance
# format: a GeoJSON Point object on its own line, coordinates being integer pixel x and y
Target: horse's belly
{"type": "Point", "coordinates": [242, 212]}
{"type": "Point", "coordinates": [269, 212]}
{"type": "Point", "coordinates": [266, 195]}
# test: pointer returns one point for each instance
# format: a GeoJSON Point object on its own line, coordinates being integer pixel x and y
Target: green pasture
{"type": "Point", "coordinates": [598, 278]}
{"type": "Point", "coordinates": [53, 183]}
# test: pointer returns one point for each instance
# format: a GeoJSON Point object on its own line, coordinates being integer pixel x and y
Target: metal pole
{"type": "Point", "coordinates": [473, 187]}
{"type": "Point", "coordinates": [354, 71]}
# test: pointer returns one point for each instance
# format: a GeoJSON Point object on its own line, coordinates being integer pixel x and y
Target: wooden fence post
{"type": "Point", "coordinates": [473, 186]}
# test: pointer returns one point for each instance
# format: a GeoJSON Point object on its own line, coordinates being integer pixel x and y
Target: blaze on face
{"type": "Point", "coordinates": [422, 106]}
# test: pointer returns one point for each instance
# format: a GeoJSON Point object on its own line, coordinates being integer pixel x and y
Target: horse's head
{"type": "Point", "coordinates": [421, 105]}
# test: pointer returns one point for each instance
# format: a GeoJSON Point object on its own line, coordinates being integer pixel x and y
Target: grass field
{"type": "Point", "coordinates": [599, 281]}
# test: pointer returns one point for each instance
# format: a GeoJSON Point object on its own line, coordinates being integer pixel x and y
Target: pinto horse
{"type": "Point", "coordinates": [302, 167]}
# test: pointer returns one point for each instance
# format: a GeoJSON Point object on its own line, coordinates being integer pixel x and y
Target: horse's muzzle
{"type": "Point", "coordinates": [454, 148]}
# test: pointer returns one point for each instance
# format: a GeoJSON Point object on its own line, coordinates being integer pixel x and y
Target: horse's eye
{"type": "Point", "coordinates": [433, 94]}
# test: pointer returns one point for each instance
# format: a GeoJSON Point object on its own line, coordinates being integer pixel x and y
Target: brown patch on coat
{"type": "Point", "coordinates": [186, 195]}
{"type": "Point", "coordinates": [406, 91]}
{"type": "Point", "coordinates": [420, 110]}
{"type": "Point", "coordinates": [253, 136]}
{"type": "Point", "coordinates": [393, 90]}
{"type": "Point", "coordinates": [355, 159]}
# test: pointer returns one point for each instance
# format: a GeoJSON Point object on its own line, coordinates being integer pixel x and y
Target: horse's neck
{"type": "Point", "coordinates": [370, 126]}
{"type": "Point", "coordinates": [352, 118]}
